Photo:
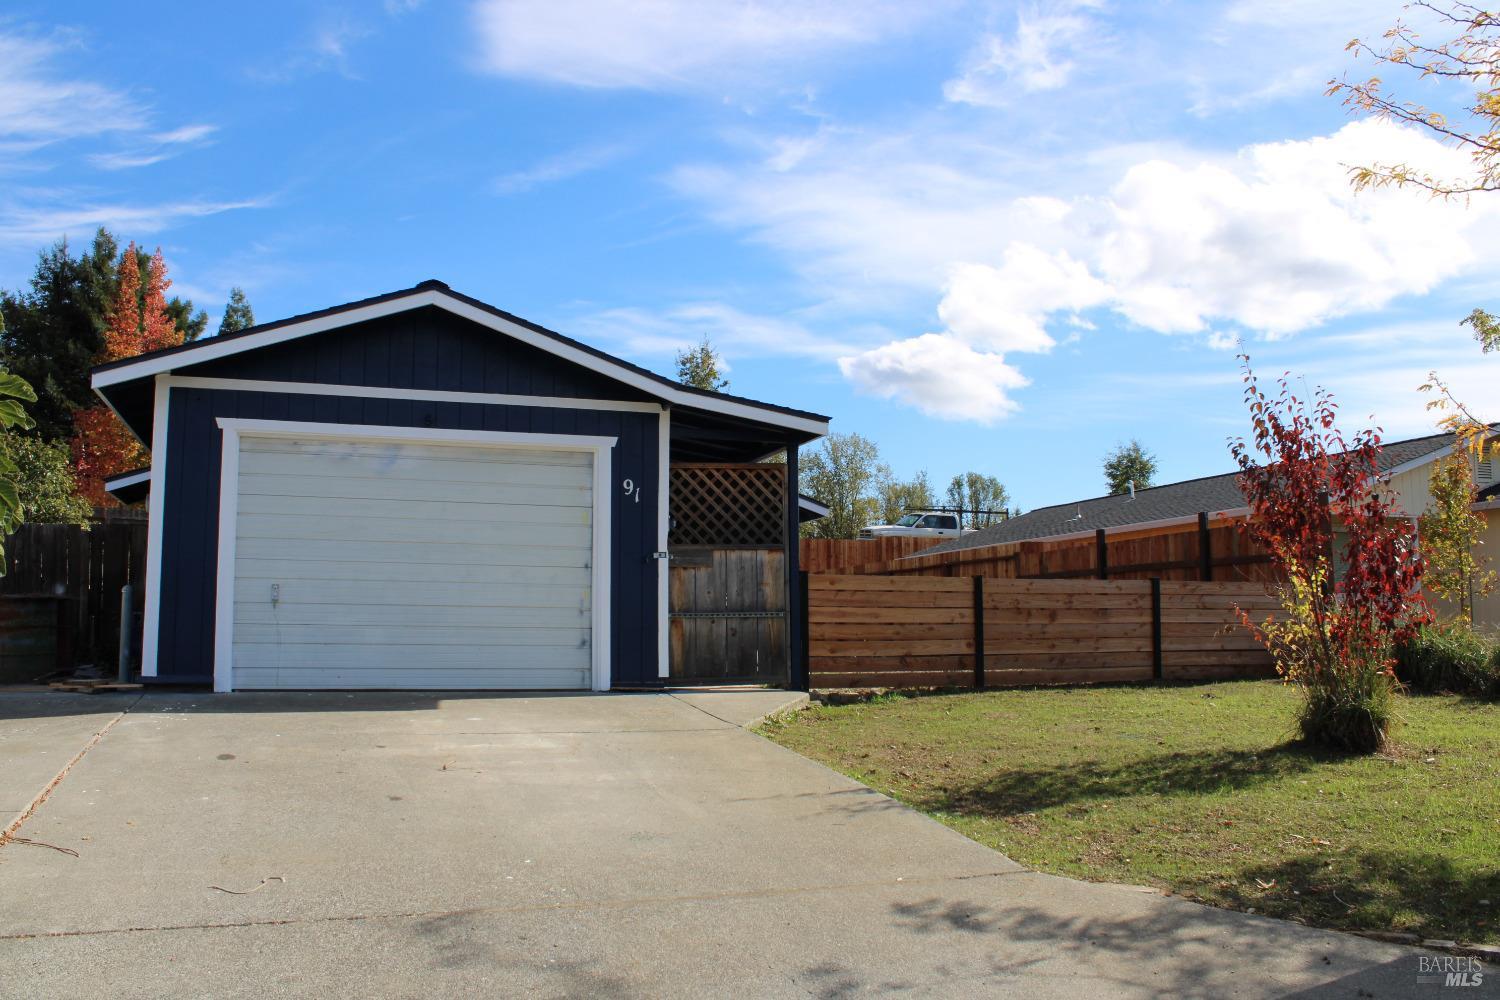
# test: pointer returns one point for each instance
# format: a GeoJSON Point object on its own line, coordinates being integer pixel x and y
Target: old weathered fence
{"type": "Point", "coordinates": [1207, 550]}
{"type": "Point", "coordinates": [854, 555]}
{"type": "Point", "coordinates": [728, 615]}
{"type": "Point", "coordinates": [904, 631]}
{"type": "Point", "coordinates": [60, 599]}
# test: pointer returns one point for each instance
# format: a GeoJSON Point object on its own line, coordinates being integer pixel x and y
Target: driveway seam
{"type": "Point", "coordinates": [42, 796]}
{"type": "Point", "coordinates": [579, 905]}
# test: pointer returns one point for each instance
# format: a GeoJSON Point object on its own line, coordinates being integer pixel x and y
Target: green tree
{"type": "Point", "coordinates": [983, 496]}
{"type": "Point", "coordinates": [1450, 534]}
{"type": "Point", "coordinates": [844, 473]}
{"type": "Point", "coordinates": [896, 497]}
{"type": "Point", "coordinates": [188, 323]}
{"type": "Point", "coordinates": [14, 392]}
{"type": "Point", "coordinates": [1129, 463]}
{"type": "Point", "coordinates": [237, 313]}
{"type": "Point", "coordinates": [700, 367]}
{"type": "Point", "coordinates": [45, 483]}
{"type": "Point", "coordinates": [52, 333]}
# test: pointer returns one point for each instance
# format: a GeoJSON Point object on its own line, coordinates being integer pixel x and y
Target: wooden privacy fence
{"type": "Point", "coordinates": [902, 631]}
{"type": "Point", "coordinates": [60, 599]}
{"type": "Point", "coordinates": [1206, 550]}
{"type": "Point", "coordinates": [854, 555]}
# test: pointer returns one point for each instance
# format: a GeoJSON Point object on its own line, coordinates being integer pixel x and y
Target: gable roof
{"type": "Point", "coordinates": [1215, 495]}
{"type": "Point", "coordinates": [436, 293]}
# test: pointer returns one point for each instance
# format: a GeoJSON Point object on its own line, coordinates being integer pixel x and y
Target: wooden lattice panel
{"type": "Point", "coordinates": [721, 504]}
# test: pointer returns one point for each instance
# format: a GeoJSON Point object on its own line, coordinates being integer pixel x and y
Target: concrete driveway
{"type": "Point", "coordinates": [620, 845]}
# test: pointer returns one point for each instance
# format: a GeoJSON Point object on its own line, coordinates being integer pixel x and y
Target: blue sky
{"type": "Point", "coordinates": [990, 236]}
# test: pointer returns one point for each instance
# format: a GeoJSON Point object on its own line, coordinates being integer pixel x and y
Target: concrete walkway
{"type": "Point", "coordinates": [622, 845]}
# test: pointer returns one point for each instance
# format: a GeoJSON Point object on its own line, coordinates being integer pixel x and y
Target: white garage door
{"type": "Point", "coordinates": [362, 564]}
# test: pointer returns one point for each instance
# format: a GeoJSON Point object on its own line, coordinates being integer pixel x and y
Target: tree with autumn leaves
{"type": "Point", "coordinates": [1349, 559]}
{"type": "Point", "coordinates": [138, 322]}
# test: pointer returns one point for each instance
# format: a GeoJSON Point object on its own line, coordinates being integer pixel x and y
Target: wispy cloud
{"type": "Point", "coordinates": [561, 167]}
{"type": "Point", "coordinates": [154, 148]}
{"type": "Point", "coordinates": [41, 104]}
{"type": "Point", "coordinates": [327, 47]}
{"type": "Point", "coordinates": [32, 224]}
{"type": "Point", "coordinates": [1041, 54]}
{"type": "Point", "coordinates": [659, 333]}
{"type": "Point", "coordinates": [676, 44]}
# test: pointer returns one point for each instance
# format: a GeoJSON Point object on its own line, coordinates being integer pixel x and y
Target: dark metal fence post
{"type": "Point", "coordinates": [979, 633]}
{"type": "Point", "coordinates": [1101, 554]}
{"type": "Point", "coordinates": [801, 670]}
{"type": "Point", "coordinates": [127, 623]}
{"type": "Point", "coordinates": [1205, 556]}
{"type": "Point", "coordinates": [1156, 672]}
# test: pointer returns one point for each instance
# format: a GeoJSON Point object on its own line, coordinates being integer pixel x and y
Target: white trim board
{"type": "Point", "coordinates": [346, 391]}
{"type": "Point", "coordinates": [229, 473]}
{"type": "Point", "coordinates": [155, 505]}
{"type": "Point", "coordinates": [120, 482]}
{"type": "Point", "coordinates": [210, 349]}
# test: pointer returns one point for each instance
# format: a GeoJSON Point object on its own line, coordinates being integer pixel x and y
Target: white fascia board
{"type": "Point", "coordinates": [814, 507]}
{"type": "Point", "coordinates": [120, 482]}
{"type": "Point", "coordinates": [208, 350]}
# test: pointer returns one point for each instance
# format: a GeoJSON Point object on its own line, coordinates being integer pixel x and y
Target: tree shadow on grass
{"type": "Point", "coordinates": [1032, 789]}
{"type": "Point", "coordinates": [1379, 890]}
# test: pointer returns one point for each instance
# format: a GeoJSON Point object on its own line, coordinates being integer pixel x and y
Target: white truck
{"type": "Point", "coordinates": [919, 524]}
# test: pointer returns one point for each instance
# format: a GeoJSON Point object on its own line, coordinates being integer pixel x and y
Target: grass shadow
{"type": "Point", "coordinates": [1033, 789]}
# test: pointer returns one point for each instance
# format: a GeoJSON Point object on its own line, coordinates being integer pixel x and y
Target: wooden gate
{"type": "Point", "coordinates": [729, 615]}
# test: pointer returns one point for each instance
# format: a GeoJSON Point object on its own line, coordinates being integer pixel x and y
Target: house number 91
{"type": "Point", "coordinates": [632, 490]}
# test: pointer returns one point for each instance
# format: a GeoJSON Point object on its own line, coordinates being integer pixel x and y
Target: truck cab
{"type": "Point", "coordinates": [919, 524]}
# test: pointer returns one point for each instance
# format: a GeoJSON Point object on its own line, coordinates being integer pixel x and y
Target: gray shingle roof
{"type": "Point", "coordinates": [1184, 499]}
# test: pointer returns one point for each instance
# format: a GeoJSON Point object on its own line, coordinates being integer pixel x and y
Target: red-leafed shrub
{"type": "Point", "coordinates": [1348, 556]}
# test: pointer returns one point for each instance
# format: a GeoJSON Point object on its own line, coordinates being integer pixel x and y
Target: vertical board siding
{"type": "Point", "coordinates": [912, 631]}
{"type": "Point", "coordinates": [401, 355]}
{"type": "Point", "coordinates": [426, 348]}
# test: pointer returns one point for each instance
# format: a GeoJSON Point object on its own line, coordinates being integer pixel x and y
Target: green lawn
{"type": "Point", "coordinates": [1199, 790]}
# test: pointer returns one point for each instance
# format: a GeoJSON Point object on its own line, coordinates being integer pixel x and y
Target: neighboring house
{"type": "Point", "coordinates": [1405, 465]}
{"type": "Point", "coordinates": [419, 490]}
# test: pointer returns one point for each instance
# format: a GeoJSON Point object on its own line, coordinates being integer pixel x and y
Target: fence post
{"type": "Point", "coordinates": [127, 623]}
{"type": "Point", "coordinates": [801, 675]}
{"type": "Point", "coordinates": [979, 632]}
{"type": "Point", "coordinates": [1101, 554]}
{"type": "Point", "coordinates": [1156, 671]}
{"type": "Point", "coordinates": [1205, 557]}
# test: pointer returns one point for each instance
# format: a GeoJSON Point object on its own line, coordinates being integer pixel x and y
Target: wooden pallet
{"type": "Point", "coordinates": [93, 686]}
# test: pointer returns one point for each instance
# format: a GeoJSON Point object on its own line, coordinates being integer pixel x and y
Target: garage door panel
{"type": "Point", "coordinates": [412, 635]}
{"type": "Point", "coordinates": [522, 473]}
{"type": "Point", "coordinates": [303, 613]}
{"type": "Point", "coordinates": [330, 676]}
{"type": "Point", "coordinates": [416, 566]}
{"type": "Point", "coordinates": [336, 487]}
{"type": "Point", "coordinates": [280, 569]}
{"type": "Point", "coordinates": [298, 528]}
{"type": "Point", "coordinates": [464, 553]}
{"type": "Point", "coordinates": [480, 510]}
{"type": "Point", "coordinates": [379, 592]}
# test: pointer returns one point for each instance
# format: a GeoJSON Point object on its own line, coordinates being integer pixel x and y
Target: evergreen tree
{"type": "Point", "coordinates": [51, 334]}
{"type": "Point", "coordinates": [699, 367]}
{"type": "Point", "coordinates": [237, 312]}
{"type": "Point", "coordinates": [1127, 464]}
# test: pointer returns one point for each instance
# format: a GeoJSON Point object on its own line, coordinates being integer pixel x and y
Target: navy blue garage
{"type": "Point", "coordinates": [419, 490]}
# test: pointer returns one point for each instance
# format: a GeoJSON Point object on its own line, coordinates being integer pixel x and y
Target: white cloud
{"type": "Point", "coordinates": [184, 134]}
{"type": "Point", "coordinates": [674, 44]}
{"type": "Point", "coordinates": [1262, 243]}
{"type": "Point", "coordinates": [559, 168]}
{"type": "Point", "coordinates": [31, 225]}
{"type": "Point", "coordinates": [40, 105]}
{"type": "Point", "coordinates": [1005, 308]}
{"type": "Point", "coordinates": [1039, 56]}
{"type": "Point", "coordinates": [733, 331]}
{"type": "Point", "coordinates": [940, 375]}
